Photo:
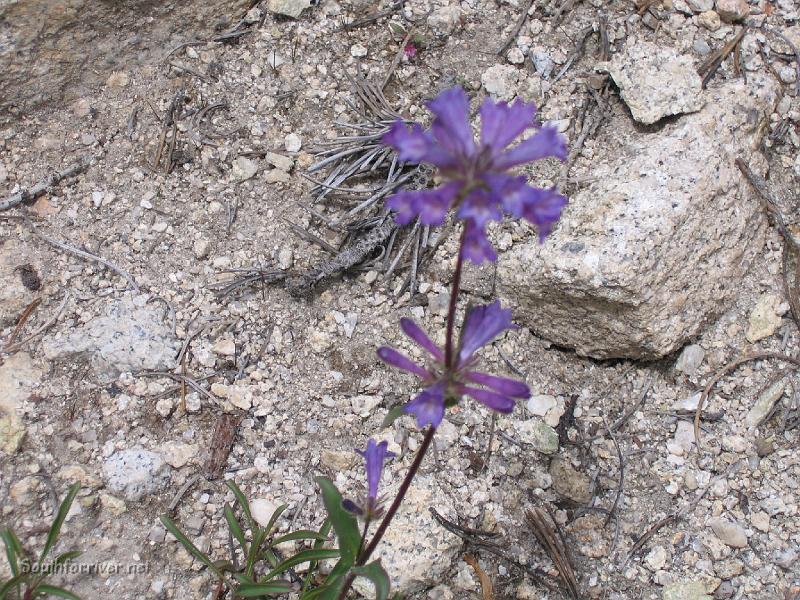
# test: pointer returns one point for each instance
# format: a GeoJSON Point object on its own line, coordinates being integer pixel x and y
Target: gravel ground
{"type": "Point", "coordinates": [301, 376]}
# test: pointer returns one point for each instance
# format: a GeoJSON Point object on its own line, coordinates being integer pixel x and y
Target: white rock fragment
{"type": "Point", "coordinates": [501, 81]}
{"type": "Point", "coordinates": [730, 533]}
{"type": "Point", "coordinates": [710, 20]}
{"type": "Point", "coordinates": [132, 336]}
{"type": "Point", "coordinates": [445, 19]}
{"type": "Point", "coordinates": [764, 404]}
{"type": "Point", "coordinates": [358, 50]}
{"type": "Point", "coordinates": [289, 8]}
{"type": "Point", "coordinates": [292, 143]}
{"type": "Point", "coordinates": [225, 347]}
{"type": "Point", "coordinates": [765, 318]}
{"type": "Point", "coordinates": [135, 473]}
{"type": "Point", "coordinates": [655, 81]}
{"type": "Point", "coordinates": [262, 510]}
{"type": "Point", "coordinates": [515, 56]}
{"type": "Point", "coordinates": [539, 405]}
{"type": "Point", "coordinates": [690, 359]}
{"type": "Point", "coordinates": [201, 249]}
{"type": "Point", "coordinates": [656, 558]}
{"type": "Point", "coordinates": [243, 168]}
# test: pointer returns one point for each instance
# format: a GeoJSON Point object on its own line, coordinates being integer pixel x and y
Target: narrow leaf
{"type": "Point", "coordinates": [301, 534]}
{"type": "Point", "coordinates": [56, 591]}
{"type": "Point", "coordinates": [12, 583]}
{"type": "Point", "coordinates": [259, 535]}
{"type": "Point", "coordinates": [329, 591]}
{"type": "Point", "coordinates": [190, 547]}
{"type": "Point", "coordinates": [301, 557]}
{"type": "Point", "coordinates": [344, 523]}
{"type": "Point", "coordinates": [241, 499]}
{"type": "Point", "coordinates": [275, 516]}
{"type": "Point", "coordinates": [254, 590]}
{"type": "Point", "coordinates": [12, 550]}
{"type": "Point", "coordinates": [392, 416]}
{"type": "Point", "coordinates": [236, 529]}
{"type": "Point", "coordinates": [55, 528]}
{"type": "Point", "coordinates": [375, 573]}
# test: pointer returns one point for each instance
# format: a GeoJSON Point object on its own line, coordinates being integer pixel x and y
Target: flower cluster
{"type": "Point", "coordinates": [481, 325]}
{"type": "Point", "coordinates": [476, 179]}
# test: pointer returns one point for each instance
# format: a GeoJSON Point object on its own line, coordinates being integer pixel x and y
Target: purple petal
{"type": "Point", "coordinates": [496, 402]}
{"type": "Point", "coordinates": [476, 246]}
{"type": "Point", "coordinates": [481, 325]}
{"type": "Point", "coordinates": [417, 145]}
{"type": "Point", "coordinates": [428, 406]}
{"type": "Point", "coordinates": [501, 385]}
{"type": "Point", "coordinates": [545, 142]}
{"type": "Point", "coordinates": [392, 357]}
{"type": "Point", "coordinates": [375, 455]}
{"type": "Point", "coordinates": [430, 205]}
{"type": "Point", "coordinates": [501, 124]}
{"type": "Point", "coordinates": [406, 206]}
{"type": "Point", "coordinates": [413, 331]}
{"type": "Point", "coordinates": [451, 125]}
{"type": "Point", "coordinates": [480, 207]}
{"type": "Point", "coordinates": [543, 209]}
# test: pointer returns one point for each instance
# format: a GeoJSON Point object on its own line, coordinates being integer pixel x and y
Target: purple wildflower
{"type": "Point", "coordinates": [375, 455]}
{"type": "Point", "coordinates": [477, 182]}
{"type": "Point", "coordinates": [481, 325]}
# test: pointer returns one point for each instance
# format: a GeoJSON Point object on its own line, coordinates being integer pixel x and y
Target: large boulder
{"type": "Point", "coordinates": [654, 248]}
{"type": "Point", "coordinates": [56, 50]}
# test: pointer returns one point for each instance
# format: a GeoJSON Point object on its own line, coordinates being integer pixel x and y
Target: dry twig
{"type": "Point", "coordinates": [550, 538]}
{"type": "Point", "coordinates": [45, 184]}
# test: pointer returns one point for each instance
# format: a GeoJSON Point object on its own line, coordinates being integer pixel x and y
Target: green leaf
{"type": "Point", "coordinates": [242, 501]}
{"type": "Point", "coordinates": [375, 573]}
{"type": "Point", "coordinates": [392, 416]}
{"type": "Point", "coordinates": [190, 547]}
{"type": "Point", "coordinates": [55, 528]}
{"type": "Point", "coordinates": [13, 550]}
{"type": "Point", "coordinates": [301, 557]}
{"type": "Point", "coordinates": [252, 557]}
{"type": "Point", "coordinates": [56, 591]}
{"type": "Point", "coordinates": [325, 531]}
{"type": "Point", "coordinates": [236, 529]}
{"type": "Point", "coordinates": [275, 516]}
{"type": "Point", "coordinates": [301, 534]}
{"type": "Point", "coordinates": [254, 590]}
{"type": "Point", "coordinates": [329, 591]}
{"type": "Point", "coordinates": [12, 583]}
{"type": "Point", "coordinates": [63, 558]}
{"type": "Point", "coordinates": [344, 523]}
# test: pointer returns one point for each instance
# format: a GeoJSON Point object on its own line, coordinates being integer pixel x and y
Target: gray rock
{"type": "Point", "coordinates": [763, 405]}
{"type": "Point", "coordinates": [699, 6]}
{"type": "Point", "coordinates": [690, 359]}
{"type": "Point", "coordinates": [570, 483]}
{"type": "Point", "coordinates": [650, 251]}
{"type": "Point", "coordinates": [243, 168]}
{"type": "Point", "coordinates": [132, 336]}
{"type": "Point", "coordinates": [543, 63]}
{"type": "Point", "coordinates": [446, 19]}
{"type": "Point", "coordinates": [655, 81]}
{"type": "Point", "coordinates": [289, 8]}
{"type": "Point", "coordinates": [135, 473]}
{"type": "Point", "coordinates": [18, 377]}
{"type": "Point", "coordinates": [417, 551]}
{"type": "Point", "coordinates": [501, 81]}
{"type": "Point", "coordinates": [688, 590]}
{"type": "Point", "coordinates": [539, 435]}
{"type": "Point", "coordinates": [729, 533]}
{"type": "Point", "coordinates": [731, 11]}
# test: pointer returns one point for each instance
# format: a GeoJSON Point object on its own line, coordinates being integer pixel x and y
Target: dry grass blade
{"type": "Point", "coordinates": [487, 592]}
{"type": "Point", "coordinates": [731, 366]}
{"type": "Point", "coordinates": [709, 67]}
{"type": "Point", "coordinates": [23, 319]}
{"type": "Point", "coordinates": [549, 537]}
